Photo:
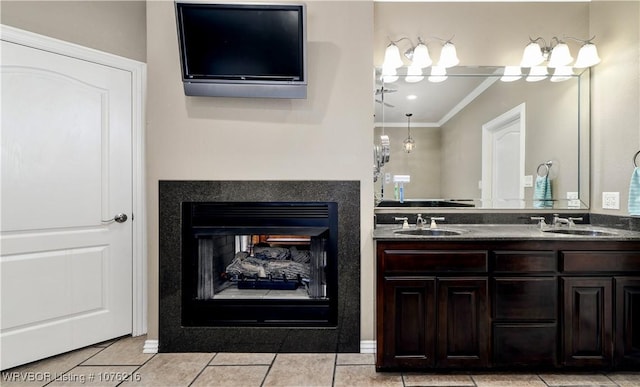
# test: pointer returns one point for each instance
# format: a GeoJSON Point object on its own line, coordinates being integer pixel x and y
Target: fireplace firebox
{"type": "Point", "coordinates": [259, 264]}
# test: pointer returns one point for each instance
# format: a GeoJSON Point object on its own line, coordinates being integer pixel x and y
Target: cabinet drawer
{"type": "Point", "coordinates": [525, 344]}
{"type": "Point", "coordinates": [524, 261]}
{"type": "Point", "coordinates": [598, 261]}
{"type": "Point", "coordinates": [435, 260]}
{"type": "Point", "coordinates": [532, 298]}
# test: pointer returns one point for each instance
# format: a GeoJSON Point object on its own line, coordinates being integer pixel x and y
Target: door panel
{"type": "Point", "coordinates": [66, 167]}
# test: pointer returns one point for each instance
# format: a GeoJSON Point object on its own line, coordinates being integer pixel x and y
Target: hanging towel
{"type": "Point", "coordinates": [542, 192]}
{"type": "Point", "coordinates": [634, 193]}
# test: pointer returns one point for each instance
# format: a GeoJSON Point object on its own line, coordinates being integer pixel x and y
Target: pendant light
{"type": "Point", "coordinates": [409, 143]}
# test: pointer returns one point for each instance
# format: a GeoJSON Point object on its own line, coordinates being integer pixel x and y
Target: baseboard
{"type": "Point", "coordinates": [150, 346]}
{"type": "Point", "coordinates": [367, 346]}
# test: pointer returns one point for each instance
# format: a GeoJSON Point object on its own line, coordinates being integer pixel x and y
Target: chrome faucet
{"type": "Point", "coordinates": [557, 221]}
{"type": "Point", "coordinates": [419, 222]}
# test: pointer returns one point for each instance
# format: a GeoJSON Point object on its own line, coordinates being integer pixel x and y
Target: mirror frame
{"type": "Point", "coordinates": [480, 205]}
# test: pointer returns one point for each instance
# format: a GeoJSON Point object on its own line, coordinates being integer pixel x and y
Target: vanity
{"type": "Point", "coordinates": [507, 296]}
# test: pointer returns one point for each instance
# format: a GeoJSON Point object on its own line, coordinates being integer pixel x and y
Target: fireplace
{"type": "Point", "coordinates": [259, 266]}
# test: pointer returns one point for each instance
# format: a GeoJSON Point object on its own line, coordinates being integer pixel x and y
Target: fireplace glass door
{"type": "Point", "coordinates": [259, 264]}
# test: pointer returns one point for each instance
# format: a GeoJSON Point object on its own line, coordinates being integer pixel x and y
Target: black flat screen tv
{"type": "Point", "coordinates": [243, 50]}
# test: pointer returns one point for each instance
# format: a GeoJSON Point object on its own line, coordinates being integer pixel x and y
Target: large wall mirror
{"type": "Point", "coordinates": [483, 141]}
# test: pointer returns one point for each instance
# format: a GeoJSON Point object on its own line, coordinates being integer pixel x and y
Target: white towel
{"type": "Point", "coordinates": [634, 193]}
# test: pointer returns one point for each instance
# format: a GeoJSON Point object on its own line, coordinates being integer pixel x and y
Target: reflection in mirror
{"type": "Point", "coordinates": [484, 142]}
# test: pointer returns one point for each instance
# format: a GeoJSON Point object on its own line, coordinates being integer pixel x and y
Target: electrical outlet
{"type": "Point", "coordinates": [572, 195]}
{"type": "Point", "coordinates": [387, 178]}
{"type": "Point", "coordinates": [611, 200]}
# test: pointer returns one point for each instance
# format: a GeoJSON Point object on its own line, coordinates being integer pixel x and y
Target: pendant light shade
{"type": "Point", "coordinates": [414, 74]}
{"type": "Point", "coordinates": [421, 56]}
{"type": "Point", "coordinates": [562, 73]}
{"type": "Point", "coordinates": [409, 143]}
{"type": "Point", "coordinates": [392, 57]}
{"type": "Point", "coordinates": [389, 74]}
{"type": "Point", "coordinates": [587, 56]}
{"type": "Point", "coordinates": [511, 73]}
{"type": "Point", "coordinates": [537, 73]}
{"type": "Point", "coordinates": [532, 55]}
{"type": "Point", "coordinates": [448, 56]}
{"type": "Point", "coordinates": [438, 74]}
{"type": "Point", "coordinates": [560, 56]}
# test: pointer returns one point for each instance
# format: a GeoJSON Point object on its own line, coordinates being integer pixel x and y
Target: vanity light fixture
{"type": "Point", "coordinates": [419, 56]}
{"type": "Point", "coordinates": [557, 56]}
{"type": "Point", "coordinates": [409, 143]}
{"type": "Point", "coordinates": [557, 53]}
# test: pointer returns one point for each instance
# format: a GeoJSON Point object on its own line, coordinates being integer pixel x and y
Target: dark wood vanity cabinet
{"type": "Point", "coordinates": [506, 304]}
{"type": "Point", "coordinates": [601, 308]}
{"type": "Point", "coordinates": [433, 308]}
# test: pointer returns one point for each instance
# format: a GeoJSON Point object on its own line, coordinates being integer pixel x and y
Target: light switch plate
{"type": "Point", "coordinates": [611, 200]}
{"type": "Point", "coordinates": [528, 181]}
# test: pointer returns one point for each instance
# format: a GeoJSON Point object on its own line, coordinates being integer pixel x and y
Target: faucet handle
{"type": "Point", "coordinates": [541, 220]}
{"type": "Point", "coordinates": [405, 221]}
{"type": "Point", "coordinates": [433, 221]}
{"type": "Point", "coordinates": [571, 219]}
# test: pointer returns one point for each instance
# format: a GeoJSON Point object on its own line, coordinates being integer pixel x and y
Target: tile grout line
{"type": "Point", "coordinates": [80, 364]}
{"type": "Point", "coordinates": [264, 379]}
{"type": "Point", "coordinates": [202, 370]}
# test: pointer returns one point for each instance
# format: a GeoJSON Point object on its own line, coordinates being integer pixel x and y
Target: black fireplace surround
{"type": "Point", "coordinates": [208, 215]}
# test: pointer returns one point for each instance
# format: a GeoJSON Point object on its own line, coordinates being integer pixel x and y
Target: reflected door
{"type": "Point", "coordinates": [503, 159]}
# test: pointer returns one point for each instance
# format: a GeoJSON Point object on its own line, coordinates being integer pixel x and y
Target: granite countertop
{"type": "Point", "coordinates": [506, 232]}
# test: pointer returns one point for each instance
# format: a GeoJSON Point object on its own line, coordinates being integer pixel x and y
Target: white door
{"type": "Point", "coordinates": [66, 167]}
{"type": "Point", "coordinates": [503, 159]}
{"type": "Point", "coordinates": [506, 162]}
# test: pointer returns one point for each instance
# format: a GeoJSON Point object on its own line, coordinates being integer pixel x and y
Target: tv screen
{"type": "Point", "coordinates": [242, 44]}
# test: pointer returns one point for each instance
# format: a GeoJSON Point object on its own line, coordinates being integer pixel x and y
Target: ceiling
{"type": "Point", "coordinates": [433, 103]}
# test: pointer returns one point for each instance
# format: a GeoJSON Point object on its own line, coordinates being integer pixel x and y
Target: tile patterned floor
{"type": "Point", "coordinates": [122, 363]}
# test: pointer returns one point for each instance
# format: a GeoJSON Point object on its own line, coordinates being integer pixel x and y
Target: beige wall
{"type": "Point", "coordinates": [615, 102]}
{"type": "Point", "coordinates": [423, 164]}
{"type": "Point", "coordinates": [485, 34]}
{"type": "Point", "coordinates": [117, 27]}
{"type": "Point", "coordinates": [326, 136]}
{"type": "Point", "coordinates": [551, 117]}
{"type": "Point", "coordinates": [329, 135]}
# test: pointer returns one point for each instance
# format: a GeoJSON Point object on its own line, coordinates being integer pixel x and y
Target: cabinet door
{"type": "Point", "coordinates": [463, 322]}
{"type": "Point", "coordinates": [627, 344]}
{"type": "Point", "coordinates": [408, 322]}
{"type": "Point", "coordinates": [587, 321]}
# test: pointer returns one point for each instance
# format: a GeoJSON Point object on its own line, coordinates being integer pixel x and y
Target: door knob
{"type": "Point", "coordinates": [120, 218]}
